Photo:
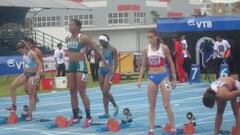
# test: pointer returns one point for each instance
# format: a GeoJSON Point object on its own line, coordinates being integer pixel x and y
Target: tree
{"type": "Point", "coordinates": [155, 16]}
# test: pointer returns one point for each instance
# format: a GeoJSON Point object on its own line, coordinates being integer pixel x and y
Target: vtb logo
{"type": "Point", "coordinates": [199, 24]}
{"type": "Point", "coordinates": [12, 63]}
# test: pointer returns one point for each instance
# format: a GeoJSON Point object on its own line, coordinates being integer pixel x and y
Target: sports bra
{"type": "Point", "coordinates": [29, 62]}
{"type": "Point", "coordinates": [107, 54]}
{"type": "Point", "coordinates": [75, 46]}
{"type": "Point", "coordinates": [156, 58]}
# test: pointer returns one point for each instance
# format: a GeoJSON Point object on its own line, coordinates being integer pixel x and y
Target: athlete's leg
{"type": "Point", "coordinates": [105, 101]}
{"type": "Point", "coordinates": [20, 80]}
{"type": "Point", "coordinates": [235, 108]}
{"type": "Point", "coordinates": [81, 86]}
{"type": "Point", "coordinates": [218, 120]}
{"type": "Point", "coordinates": [152, 98]}
{"type": "Point", "coordinates": [71, 82]}
{"type": "Point", "coordinates": [107, 94]}
{"type": "Point", "coordinates": [32, 85]}
{"type": "Point", "coordinates": [166, 100]}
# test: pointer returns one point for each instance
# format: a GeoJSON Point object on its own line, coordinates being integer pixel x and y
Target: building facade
{"type": "Point", "coordinates": [125, 21]}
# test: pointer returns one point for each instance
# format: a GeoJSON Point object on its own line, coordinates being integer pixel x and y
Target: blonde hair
{"type": "Point", "coordinates": [21, 45]}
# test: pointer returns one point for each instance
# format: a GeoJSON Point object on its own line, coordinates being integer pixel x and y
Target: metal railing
{"type": "Point", "coordinates": [45, 40]}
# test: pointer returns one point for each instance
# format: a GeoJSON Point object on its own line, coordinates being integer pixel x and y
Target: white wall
{"type": "Point", "coordinates": [123, 40]}
{"type": "Point", "coordinates": [58, 32]}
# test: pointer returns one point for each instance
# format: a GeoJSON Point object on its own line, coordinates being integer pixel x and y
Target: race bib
{"type": "Point", "coordinates": [154, 60]}
{"type": "Point", "coordinates": [84, 77]}
{"type": "Point", "coordinates": [168, 85]}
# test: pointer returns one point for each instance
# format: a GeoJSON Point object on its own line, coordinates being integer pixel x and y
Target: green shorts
{"type": "Point", "coordinates": [74, 67]}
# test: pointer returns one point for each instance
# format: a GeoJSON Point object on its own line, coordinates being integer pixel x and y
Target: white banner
{"type": "Point", "coordinates": [50, 64]}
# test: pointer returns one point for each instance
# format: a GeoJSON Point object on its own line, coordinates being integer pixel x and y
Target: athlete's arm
{"type": "Point", "coordinates": [86, 40]}
{"type": "Point", "coordinates": [40, 57]}
{"type": "Point", "coordinates": [225, 94]}
{"type": "Point", "coordinates": [171, 65]}
{"type": "Point", "coordinates": [115, 57]}
{"type": "Point", "coordinates": [39, 64]}
{"type": "Point", "coordinates": [143, 67]}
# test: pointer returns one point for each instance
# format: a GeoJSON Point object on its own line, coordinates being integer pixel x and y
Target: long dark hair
{"type": "Point", "coordinates": [77, 23]}
{"type": "Point", "coordinates": [209, 98]}
{"type": "Point", "coordinates": [156, 34]}
{"type": "Point", "coordinates": [30, 40]}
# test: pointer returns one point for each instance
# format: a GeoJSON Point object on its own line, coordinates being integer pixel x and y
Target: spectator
{"type": "Point", "coordinates": [94, 65]}
{"type": "Point", "coordinates": [59, 59]}
{"type": "Point", "coordinates": [178, 52]}
{"type": "Point", "coordinates": [186, 56]}
{"type": "Point", "coordinates": [221, 48]}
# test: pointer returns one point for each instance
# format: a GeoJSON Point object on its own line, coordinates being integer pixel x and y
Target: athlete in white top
{"type": "Point", "coordinates": [222, 90]}
{"type": "Point", "coordinates": [155, 57]}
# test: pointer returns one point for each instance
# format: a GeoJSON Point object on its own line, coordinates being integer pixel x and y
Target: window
{"type": "Point", "coordinates": [51, 21]}
{"type": "Point", "coordinates": [46, 21]}
{"type": "Point", "coordinates": [86, 19]}
{"type": "Point", "coordinates": [118, 18]}
{"type": "Point", "coordinates": [66, 20]}
{"type": "Point", "coordinates": [140, 18]}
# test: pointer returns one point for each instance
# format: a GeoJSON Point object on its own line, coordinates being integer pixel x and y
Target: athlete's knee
{"type": "Point", "coordinates": [73, 93]}
{"type": "Point", "coordinates": [220, 111]}
{"type": "Point", "coordinates": [31, 93]}
{"type": "Point", "coordinates": [26, 90]}
{"type": "Point", "coordinates": [71, 87]}
{"type": "Point", "coordinates": [105, 93]}
{"type": "Point", "coordinates": [82, 93]}
{"type": "Point", "coordinates": [166, 105]}
{"type": "Point", "coordinates": [12, 86]}
{"type": "Point", "coordinates": [152, 105]}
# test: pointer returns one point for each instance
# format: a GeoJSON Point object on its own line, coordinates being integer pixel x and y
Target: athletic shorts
{"type": "Point", "coordinates": [104, 71]}
{"type": "Point", "coordinates": [74, 67]}
{"type": "Point", "coordinates": [157, 78]}
{"type": "Point", "coordinates": [30, 74]}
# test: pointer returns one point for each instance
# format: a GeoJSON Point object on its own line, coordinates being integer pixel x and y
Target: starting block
{"type": "Point", "coordinates": [13, 118]}
{"type": "Point", "coordinates": [60, 122]}
{"type": "Point", "coordinates": [189, 129]}
{"type": "Point", "coordinates": [113, 125]}
{"type": "Point", "coordinates": [167, 130]}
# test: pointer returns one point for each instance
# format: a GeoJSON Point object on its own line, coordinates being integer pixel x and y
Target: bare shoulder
{"type": "Point", "coordinates": [145, 50]}
{"type": "Point", "coordinates": [38, 51]}
{"type": "Point", "coordinates": [114, 49]}
{"type": "Point", "coordinates": [84, 38]}
{"type": "Point", "coordinates": [165, 47]}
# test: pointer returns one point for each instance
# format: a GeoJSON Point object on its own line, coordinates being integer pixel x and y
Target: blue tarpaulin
{"type": "Point", "coordinates": [208, 23]}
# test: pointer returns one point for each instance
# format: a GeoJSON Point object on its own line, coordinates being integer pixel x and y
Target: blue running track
{"type": "Point", "coordinates": [185, 98]}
